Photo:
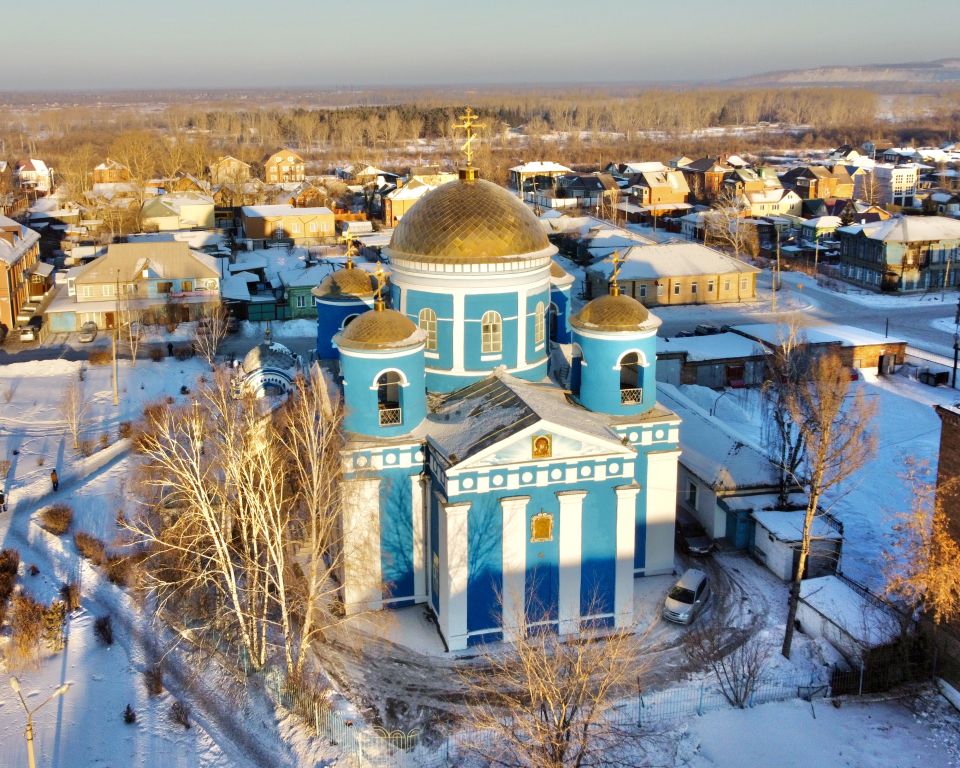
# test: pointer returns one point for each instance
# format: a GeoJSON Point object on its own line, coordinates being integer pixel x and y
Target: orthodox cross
{"type": "Point", "coordinates": [614, 285]}
{"type": "Point", "coordinates": [468, 123]}
{"type": "Point", "coordinates": [378, 299]}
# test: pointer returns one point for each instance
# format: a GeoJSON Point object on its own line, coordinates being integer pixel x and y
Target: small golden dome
{"type": "Point", "coordinates": [346, 283]}
{"type": "Point", "coordinates": [467, 222]}
{"type": "Point", "coordinates": [614, 313]}
{"type": "Point", "coordinates": [379, 328]}
{"type": "Point", "coordinates": [556, 270]}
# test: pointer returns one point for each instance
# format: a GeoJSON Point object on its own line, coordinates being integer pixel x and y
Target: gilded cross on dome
{"type": "Point", "coordinates": [378, 299]}
{"type": "Point", "coordinates": [468, 123]}
{"type": "Point", "coordinates": [614, 285]}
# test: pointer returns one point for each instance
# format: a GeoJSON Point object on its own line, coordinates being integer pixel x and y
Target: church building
{"type": "Point", "coordinates": [474, 483]}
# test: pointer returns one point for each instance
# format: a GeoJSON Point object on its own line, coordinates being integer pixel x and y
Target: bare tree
{"type": "Point", "coordinates": [544, 700]}
{"type": "Point", "coordinates": [212, 328]}
{"type": "Point", "coordinates": [923, 566]}
{"type": "Point", "coordinates": [836, 433]}
{"type": "Point", "coordinates": [737, 657]}
{"type": "Point", "coordinates": [724, 224]}
{"type": "Point", "coordinates": [74, 409]}
{"type": "Point", "coordinates": [787, 369]}
{"type": "Point", "coordinates": [130, 321]}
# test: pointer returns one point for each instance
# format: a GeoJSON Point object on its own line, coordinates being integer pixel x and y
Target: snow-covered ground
{"type": "Point", "coordinates": [915, 732]}
{"type": "Point", "coordinates": [304, 328]}
{"type": "Point", "coordinates": [945, 324]}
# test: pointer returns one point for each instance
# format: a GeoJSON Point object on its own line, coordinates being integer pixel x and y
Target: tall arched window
{"type": "Point", "coordinates": [389, 387]}
{"type": "Point", "coordinates": [631, 379]}
{"type": "Point", "coordinates": [491, 333]}
{"type": "Point", "coordinates": [539, 323]}
{"type": "Point", "coordinates": [428, 324]}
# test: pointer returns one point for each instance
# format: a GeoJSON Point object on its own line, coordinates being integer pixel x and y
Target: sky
{"type": "Point", "coordinates": [120, 44]}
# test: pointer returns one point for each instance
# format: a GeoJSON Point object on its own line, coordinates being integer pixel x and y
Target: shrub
{"type": "Point", "coordinates": [70, 594]}
{"type": "Point", "coordinates": [26, 624]}
{"type": "Point", "coordinates": [153, 679]}
{"type": "Point", "coordinates": [183, 353]}
{"type": "Point", "coordinates": [54, 621]}
{"type": "Point", "coordinates": [104, 440]}
{"type": "Point", "coordinates": [129, 716]}
{"type": "Point", "coordinates": [154, 411]}
{"type": "Point", "coordinates": [100, 357]}
{"type": "Point", "coordinates": [9, 563]}
{"type": "Point", "coordinates": [156, 354]}
{"type": "Point", "coordinates": [180, 713]}
{"type": "Point", "coordinates": [56, 519]}
{"type": "Point", "coordinates": [103, 629]}
{"type": "Point", "coordinates": [41, 460]}
{"type": "Point", "coordinates": [90, 547]}
{"type": "Point", "coordinates": [125, 429]}
{"type": "Point", "coordinates": [120, 570]}
{"type": "Point", "coordinates": [5, 465]}
{"type": "Point", "coordinates": [86, 448]}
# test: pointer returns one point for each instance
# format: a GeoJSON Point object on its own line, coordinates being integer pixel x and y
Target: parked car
{"type": "Point", "coordinates": [705, 329]}
{"type": "Point", "coordinates": [28, 333]}
{"type": "Point", "coordinates": [690, 535]}
{"type": "Point", "coordinates": [687, 597]}
{"type": "Point", "coordinates": [88, 332]}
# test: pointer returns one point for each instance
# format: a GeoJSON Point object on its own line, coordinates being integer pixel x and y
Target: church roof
{"type": "Point", "coordinates": [379, 329]}
{"type": "Point", "coordinates": [492, 409]}
{"type": "Point", "coordinates": [349, 282]}
{"type": "Point", "coordinates": [614, 313]}
{"type": "Point", "coordinates": [268, 355]}
{"type": "Point", "coordinates": [468, 221]}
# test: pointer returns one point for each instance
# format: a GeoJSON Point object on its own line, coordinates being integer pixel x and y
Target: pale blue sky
{"type": "Point", "coordinates": [65, 44]}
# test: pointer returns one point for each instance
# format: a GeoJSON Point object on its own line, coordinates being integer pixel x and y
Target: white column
{"type": "Point", "coordinates": [419, 526]}
{"type": "Point", "coordinates": [514, 544]}
{"type": "Point", "coordinates": [661, 487]}
{"type": "Point", "coordinates": [521, 328]}
{"type": "Point", "coordinates": [362, 573]}
{"type": "Point", "coordinates": [626, 540]}
{"type": "Point", "coordinates": [459, 329]}
{"type": "Point", "coordinates": [453, 574]}
{"type": "Point", "coordinates": [571, 556]}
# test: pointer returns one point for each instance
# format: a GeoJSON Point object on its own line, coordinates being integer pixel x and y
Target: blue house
{"type": "Point", "coordinates": [473, 483]}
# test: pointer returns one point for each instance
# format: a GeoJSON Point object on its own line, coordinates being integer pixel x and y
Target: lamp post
{"type": "Point", "coordinates": [15, 684]}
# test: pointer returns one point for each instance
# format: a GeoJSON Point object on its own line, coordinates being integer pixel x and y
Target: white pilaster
{"type": "Point", "coordinates": [514, 543]}
{"type": "Point", "coordinates": [522, 328]}
{"type": "Point", "coordinates": [626, 539]}
{"type": "Point", "coordinates": [453, 574]}
{"type": "Point", "coordinates": [362, 573]}
{"type": "Point", "coordinates": [661, 487]}
{"type": "Point", "coordinates": [459, 323]}
{"type": "Point", "coordinates": [419, 525]}
{"type": "Point", "coordinates": [571, 552]}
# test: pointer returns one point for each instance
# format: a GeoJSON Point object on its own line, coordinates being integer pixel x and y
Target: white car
{"type": "Point", "coordinates": [687, 597]}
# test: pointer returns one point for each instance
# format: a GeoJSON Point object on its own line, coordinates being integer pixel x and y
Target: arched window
{"type": "Point", "coordinates": [428, 324]}
{"type": "Point", "coordinates": [539, 323]}
{"type": "Point", "coordinates": [631, 379]}
{"type": "Point", "coordinates": [491, 333]}
{"type": "Point", "coordinates": [576, 369]}
{"type": "Point", "coordinates": [389, 388]}
{"type": "Point", "coordinates": [349, 319]}
{"type": "Point", "coordinates": [553, 315]}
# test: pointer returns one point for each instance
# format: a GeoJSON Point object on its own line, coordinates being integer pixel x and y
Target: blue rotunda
{"type": "Point", "coordinates": [510, 496]}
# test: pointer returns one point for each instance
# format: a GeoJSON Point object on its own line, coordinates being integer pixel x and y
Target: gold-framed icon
{"type": "Point", "coordinates": [541, 446]}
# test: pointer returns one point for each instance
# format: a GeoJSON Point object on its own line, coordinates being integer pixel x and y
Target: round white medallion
{"type": "Point", "coordinates": [586, 471]}
{"type": "Point", "coordinates": [634, 436]}
{"type": "Point", "coordinates": [614, 469]}
{"type": "Point", "coordinates": [556, 473]}
{"type": "Point", "coordinates": [391, 458]}
{"type": "Point", "coordinates": [418, 456]}
{"type": "Point", "coordinates": [498, 480]}
{"type": "Point", "coordinates": [468, 483]}
{"type": "Point", "coordinates": [361, 461]}
{"type": "Point", "coordinates": [527, 477]}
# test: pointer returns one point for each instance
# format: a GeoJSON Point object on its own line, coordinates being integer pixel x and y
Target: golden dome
{"type": "Point", "coordinates": [467, 221]}
{"type": "Point", "coordinates": [556, 270]}
{"type": "Point", "coordinates": [378, 328]}
{"type": "Point", "coordinates": [346, 283]}
{"type": "Point", "coordinates": [614, 313]}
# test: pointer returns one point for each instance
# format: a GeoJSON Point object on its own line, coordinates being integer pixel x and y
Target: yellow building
{"type": "Point", "coordinates": [284, 222]}
{"type": "Point", "coordinates": [284, 167]}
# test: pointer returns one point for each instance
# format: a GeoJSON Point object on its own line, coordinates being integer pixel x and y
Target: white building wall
{"type": "Point", "coordinates": [571, 551]}
{"type": "Point", "coordinates": [661, 488]}
{"type": "Point", "coordinates": [453, 574]}
{"type": "Point", "coordinates": [513, 600]}
{"type": "Point", "coordinates": [626, 547]}
{"type": "Point", "coordinates": [419, 521]}
{"type": "Point", "coordinates": [362, 577]}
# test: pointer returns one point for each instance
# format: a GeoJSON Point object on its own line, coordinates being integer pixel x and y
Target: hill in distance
{"type": "Point", "coordinates": [909, 76]}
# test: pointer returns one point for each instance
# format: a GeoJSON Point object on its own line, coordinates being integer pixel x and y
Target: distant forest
{"type": "Point", "coordinates": [579, 126]}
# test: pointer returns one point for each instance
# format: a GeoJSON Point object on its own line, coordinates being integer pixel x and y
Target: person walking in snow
{"type": "Point", "coordinates": [54, 479]}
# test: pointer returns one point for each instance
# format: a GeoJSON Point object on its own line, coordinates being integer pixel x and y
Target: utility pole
{"type": "Point", "coordinates": [15, 684]}
{"type": "Point", "coordinates": [116, 325]}
{"type": "Point", "coordinates": [956, 344]}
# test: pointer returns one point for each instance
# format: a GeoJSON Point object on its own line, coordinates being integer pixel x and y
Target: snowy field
{"type": "Point", "coordinates": [945, 324]}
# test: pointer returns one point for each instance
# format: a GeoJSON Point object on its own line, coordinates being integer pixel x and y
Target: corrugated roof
{"type": "Point", "coordinates": [124, 261]}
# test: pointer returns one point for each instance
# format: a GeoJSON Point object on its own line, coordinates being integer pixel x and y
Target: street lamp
{"type": "Point", "coordinates": [15, 684]}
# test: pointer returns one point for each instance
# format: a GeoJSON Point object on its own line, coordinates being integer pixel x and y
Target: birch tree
{"type": "Point", "coordinates": [73, 410]}
{"type": "Point", "coordinates": [724, 224]}
{"type": "Point", "coordinates": [211, 331]}
{"type": "Point", "coordinates": [835, 428]}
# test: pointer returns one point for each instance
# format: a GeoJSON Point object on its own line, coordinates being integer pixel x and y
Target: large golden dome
{"type": "Point", "coordinates": [467, 221]}
{"type": "Point", "coordinates": [614, 313]}
{"type": "Point", "coordinates": [379, 329]}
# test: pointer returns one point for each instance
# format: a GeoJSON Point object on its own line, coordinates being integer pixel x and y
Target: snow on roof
{"type": "Point", "coordinates": [787, 526]}
{"type": "Point", "coordinates": [541, 166]}
{"type": "Point", "coordinates": [823, 222]}
{"type": "Point", "coordinates": [124, 261]}
{"type": "Point", "coordinates": [774, 334]}
{"type": "Point", "coordinates": [718, 346]}
{"type": "Point", "coordinates": [412, 191]}
{"type": "Point", "coordinates": [650, 166]}
{"type": "Point", "coordinates": [248, 261]}
{"type": "Point", "coordinates": [235, 288]}
{"type": "Point", "coordinates": [650, 262]}
{"type": "Point", "coordinates": [265, 211]}
{"type": "Point", "coordinates": [11, 253]}
{"type": "Point", "coordinates": [713, 451]}
{"type": "Point", "coordinates": [908, 229]}
{"type": "Point", "coordinates": [862, 619]}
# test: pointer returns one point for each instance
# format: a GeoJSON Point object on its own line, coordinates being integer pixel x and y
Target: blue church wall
{"type": "Point", "coordinates": [434, 564]}
{"type": "Point", "coordinates": [599, 551]}
{"type": "Point", "coordinates": [359, 375]}
{"type": "Point", "coordinates": [532, 354]}
{"type": "Point", "coordinates": [600, 374]}
{"type": "Point", "coordinates": [560, 298]}
{"type": "Point", "coordinates": [542, 588]}
{"type": "Point", "coordinates": [396, 532]}
{"type": "Point", "coordinates": [474, 308]}
{"type": "Point", "coordinates": [330, 317]}
{"type": "Point", "coordinates": [485, 563]}
{"type": "Point", "coordinates": [442, 305]}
